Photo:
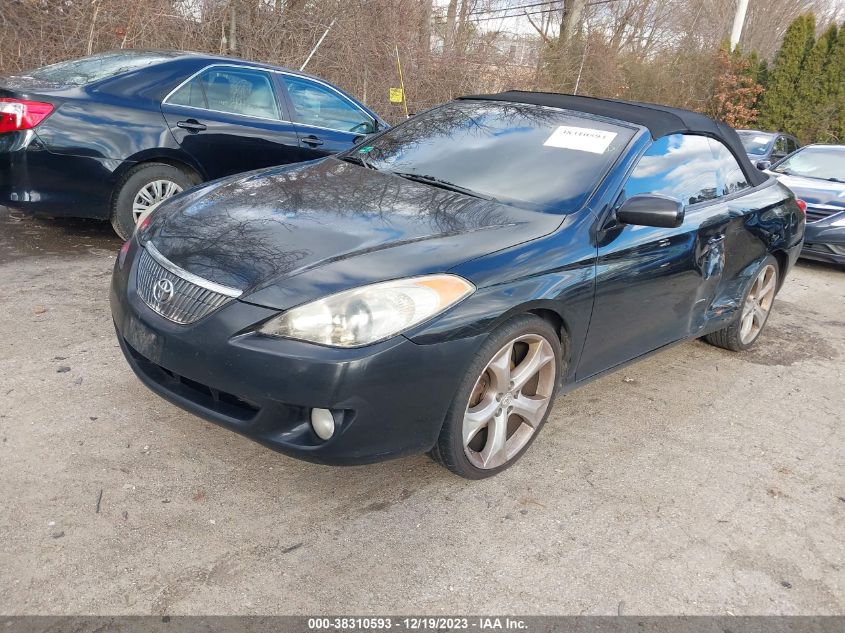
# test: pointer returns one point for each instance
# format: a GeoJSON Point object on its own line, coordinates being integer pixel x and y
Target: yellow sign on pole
{"type": "Point", "coordinates": [401, 81]}
{"type": "Point", "coordinates": [397, 95]}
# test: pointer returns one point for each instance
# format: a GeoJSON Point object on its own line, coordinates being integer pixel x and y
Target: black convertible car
{"type": "Point", "coordinates": [434, 288]}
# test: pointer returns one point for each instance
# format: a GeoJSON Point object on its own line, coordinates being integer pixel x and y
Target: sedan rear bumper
{"type": "Point", "coordinates": [387, 400]}
{"type": "Point", "coordinates": [37, 181]}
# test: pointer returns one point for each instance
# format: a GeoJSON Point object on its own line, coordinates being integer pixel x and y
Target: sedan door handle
{"type": "Point", "coordinates": [192, 125]}
{"type": "Point", "coordinates": [312, 140]}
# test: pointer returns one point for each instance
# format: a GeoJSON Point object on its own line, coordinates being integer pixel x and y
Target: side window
{"type": "Point", "coordinates": [780, 147]}
{"type": "Point", "coordinates": [731, 176]}
{"type": "Point", "coordinates": [681, 166]}
{"type": "Point", "coordinates": [233, 90]}
{"type": "Point", "coordinates": [314, 104]}
{"type": "Point", "coordinates": [791, 145]}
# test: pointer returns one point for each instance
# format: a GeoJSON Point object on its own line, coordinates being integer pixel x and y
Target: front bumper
{"type": "Point", "coordinates": [825, 242]}
{"type": "Point", "coordinates": [388, 399]}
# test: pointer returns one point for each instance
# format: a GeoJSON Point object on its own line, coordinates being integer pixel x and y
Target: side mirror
{"type": "Point", "coordinates": [763, 165]}
{"type": "Point", "coordinates": [651, 210]}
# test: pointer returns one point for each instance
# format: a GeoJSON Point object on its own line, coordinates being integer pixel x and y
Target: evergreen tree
{"type": "Point", "coordinates": [781, 97]}
{"type": "Point", "coordinates": [833, 110]}
{"type": "Point", "coordinates": [812, 118]}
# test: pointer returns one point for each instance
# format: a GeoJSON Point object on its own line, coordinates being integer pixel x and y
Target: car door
{"type": "Point", "coordinates": [654, 285]}
{"type": "Point", "coordinates": [779, 149]}
{"type": "Point", "coordinates": [229, 119]}
{"type": "Point", "coordinates": [326, 120]}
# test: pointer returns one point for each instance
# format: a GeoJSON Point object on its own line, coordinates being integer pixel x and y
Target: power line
{"type": "Point", "coordinates": [515, 15]}
{"type": "Point", "coordinates": [514, 8]}
{"type": "Point", "coordinates": [535, 12]}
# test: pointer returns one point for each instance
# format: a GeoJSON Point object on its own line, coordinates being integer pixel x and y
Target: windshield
{"type": "Point", "coordinates": [525, 155]}
{"type": "Point", "coordinates": [78, 72]}
{"type": "Point", "coordinates": [756, 143]}
{"type": "Point", "coordinates": [825, 163]}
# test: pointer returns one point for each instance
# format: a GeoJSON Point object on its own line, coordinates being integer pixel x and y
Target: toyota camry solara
{"type": "Point", "coordinates": [435, 288]}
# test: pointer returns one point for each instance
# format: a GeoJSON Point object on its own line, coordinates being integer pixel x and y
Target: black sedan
{"type": "Point", "coordinates": [436, 287]}
{"type": "Point", "coordinates": [816, 174]}
{"type": "Point", "coordinates": [112, 135]}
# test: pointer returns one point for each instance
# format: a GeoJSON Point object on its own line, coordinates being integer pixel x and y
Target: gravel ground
{"type": "Point", "coordinates": [696, 482]}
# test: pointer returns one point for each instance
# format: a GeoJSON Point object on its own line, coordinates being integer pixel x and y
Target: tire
{"type": "Point", "coordinates": [732, 337]}
{"type": "Point", "coordinates": [123, 213]}
{"type": "Point", "coordinates": [529, 337]}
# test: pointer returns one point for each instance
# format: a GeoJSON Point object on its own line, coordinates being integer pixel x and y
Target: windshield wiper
{"type": "Point", "coordinates": [792, 173]}
{"type": "Point", "coordinates": [357, 160]}
{"type": "Point", "coordinates": [443, 184]}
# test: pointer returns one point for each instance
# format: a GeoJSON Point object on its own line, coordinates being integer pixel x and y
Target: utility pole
{"type": "Point", "coordinates": [320, 41]}
{"type": "Point", "coordinates": [739, 22]}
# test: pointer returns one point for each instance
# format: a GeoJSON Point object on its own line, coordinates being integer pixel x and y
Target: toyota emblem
{"type": "Point", "coordinates": [163, 290]}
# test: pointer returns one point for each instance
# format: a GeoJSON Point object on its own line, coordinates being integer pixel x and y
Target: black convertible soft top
{"type": "Point", "coordinates": [659, 120]}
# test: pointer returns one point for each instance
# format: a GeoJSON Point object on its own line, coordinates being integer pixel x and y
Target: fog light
{"type": "Point", "coordinates": [323, 422]}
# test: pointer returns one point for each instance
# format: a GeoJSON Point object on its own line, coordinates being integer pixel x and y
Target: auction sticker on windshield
{"type": "Point", "coordinates": [582, 139]}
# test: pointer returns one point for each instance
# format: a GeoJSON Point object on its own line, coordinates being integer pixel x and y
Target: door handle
{"type": "Point", "coordinates": [192, 125]}
{"type": "Point", "coordinates": [312, 140]}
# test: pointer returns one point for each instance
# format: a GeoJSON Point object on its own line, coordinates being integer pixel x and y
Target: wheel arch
{"type": "Point", "coordinates": [782, 258]}
{"type": "Point", "coordinates": [173, 158]}
{"type": "Point", "coordinates": [176, 159]}
{"type": "Point", "coordinates": [551, 313]}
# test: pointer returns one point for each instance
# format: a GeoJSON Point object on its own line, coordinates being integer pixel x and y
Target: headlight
{"type": "Point", "coordinates": [369, 314]}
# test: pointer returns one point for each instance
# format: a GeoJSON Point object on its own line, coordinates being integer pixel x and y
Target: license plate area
{"type": "Point", "coordinates": [145, 341]}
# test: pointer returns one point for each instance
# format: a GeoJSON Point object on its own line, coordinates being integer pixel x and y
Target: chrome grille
{"type": "Point", "coordinates": [176, 294]}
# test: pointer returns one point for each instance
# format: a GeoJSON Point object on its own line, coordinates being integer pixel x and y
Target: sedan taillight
{"type": "Point", "coordinates": [801, 205]}
{"type": "Point", "coordinates": [19, 114]}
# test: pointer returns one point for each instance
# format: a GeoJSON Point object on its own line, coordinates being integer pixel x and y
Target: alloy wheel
{"type": "Point", "coordinates": [152, 195]}
{"type": "Point", "coordinates": [509, 401]}
{"type": "Point", "coordinates": [757, 305]}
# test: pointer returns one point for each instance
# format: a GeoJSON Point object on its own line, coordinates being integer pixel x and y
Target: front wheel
{"type": "Point", "coordinates": [503, 399]}
{"type": "Point", "coordinates": [756, 307]}
{"type": "Point", "coordinates": [141, 190]}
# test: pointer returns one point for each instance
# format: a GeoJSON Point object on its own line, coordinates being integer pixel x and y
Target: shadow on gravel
{"type": "Point", "coordinates": [25, 236]}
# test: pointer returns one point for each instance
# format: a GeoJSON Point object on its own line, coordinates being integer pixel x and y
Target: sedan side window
{"type": "Point", "coordinates": [731, 176]}
{"type": "Point", "coordinates": [791, 145]}
{"type": "Point", "coordinates": [681, 166]}
{"type": "Point", "coordinates": [780, 147]}
{"type": "Point", "coordinates": [232, 90]}
{"type": "Point", "coordinates": [317, 105]}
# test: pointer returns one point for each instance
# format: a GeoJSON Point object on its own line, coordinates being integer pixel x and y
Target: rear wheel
{"type": "Point", "coordinates": [756, 307]}
{"type": "Point", "coordinates": [141, 190]}
{"type": "Point", "coordinates": [503, 400]}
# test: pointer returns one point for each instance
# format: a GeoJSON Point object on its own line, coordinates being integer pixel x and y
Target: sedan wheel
{"type": "Point", "coordinates": [758, 304]}
{"type": "Point", "coordinates": [152, 195]}
{"type": "Point", "coordinates": [503, 400]}
{"type": "Point", "coordinates": [142, 189]}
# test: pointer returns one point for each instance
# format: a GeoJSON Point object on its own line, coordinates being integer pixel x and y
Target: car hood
{"type": "Point", "coordinates": [815, 192]}
{"type": "Point", "coordinates": [252, 231]}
